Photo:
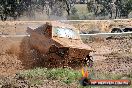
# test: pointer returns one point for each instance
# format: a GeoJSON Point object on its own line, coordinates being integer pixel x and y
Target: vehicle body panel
{"type": "Point", "coordinates": [65, 43]}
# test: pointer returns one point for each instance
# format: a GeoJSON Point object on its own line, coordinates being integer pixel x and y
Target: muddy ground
{"type": "Point", "coordinates": [113, 55]}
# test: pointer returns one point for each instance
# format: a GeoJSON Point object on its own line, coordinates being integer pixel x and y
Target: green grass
{"type": "Point", "coordinates": [68, 76]}
{"type": "Point", "coordinates": [65, 75]}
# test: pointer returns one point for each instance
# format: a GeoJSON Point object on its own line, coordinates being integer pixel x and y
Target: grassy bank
{"type": "Point", "coordinates": [65, 75]}
{"type": "Point", "coordinates": [68, 76]}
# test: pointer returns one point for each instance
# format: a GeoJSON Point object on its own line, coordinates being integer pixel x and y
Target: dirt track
{"type": "Point", "coordinates": [112, 55]}
{"type": "Point", "coordinates": [16, 54]}
{"type": "Point", "coordinates": [19, 27]}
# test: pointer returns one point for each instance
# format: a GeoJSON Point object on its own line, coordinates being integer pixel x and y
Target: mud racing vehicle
{"type": "Point", "coordinates": [60, 45]}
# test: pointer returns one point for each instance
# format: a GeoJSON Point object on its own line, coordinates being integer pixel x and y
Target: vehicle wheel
{"type": "Point", "coordinates": [88, 61]}
{"type": "Point", "coordinates": [3, 17]}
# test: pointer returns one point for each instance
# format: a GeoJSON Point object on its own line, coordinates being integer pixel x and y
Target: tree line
{"type": "Point", "coordinates": [117, 8]}
{"type": "Point", "coordinates": [17, 8]}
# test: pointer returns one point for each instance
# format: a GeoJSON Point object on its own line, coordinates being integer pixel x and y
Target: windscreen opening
{"type": "Point", "coordinates": [65, 33]}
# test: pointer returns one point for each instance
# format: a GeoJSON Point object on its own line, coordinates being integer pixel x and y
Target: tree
{"type": "Point", "coordinates": [69, 4]}
{"type": "Point", "coordinates": [66, 4]}
{"type": "Point", "coordinates": [124, 7]}
{"type": "Point", "coordinates": [8, 8]}
{"type": "Point", "coordinates": [117, 8]}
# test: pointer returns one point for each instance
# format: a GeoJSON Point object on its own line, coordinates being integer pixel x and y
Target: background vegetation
{"type": "Point", "coordinates": [66, 9]}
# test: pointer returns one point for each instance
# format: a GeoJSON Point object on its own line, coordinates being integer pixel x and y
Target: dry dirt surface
{"type": "Point", "coordinates": [113, 55]}
{"type": "Point", "coordinates": [16, 55]}
{"type": "Point", "coordinates": [101, 25]}
{"type": "Point", "coordinates": [19, 27]}
{"type": "Point", "coordinates": [9, 62]}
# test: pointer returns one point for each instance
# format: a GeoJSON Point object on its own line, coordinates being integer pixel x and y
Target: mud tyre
{"type": "Point", "coordinates": [88, 61]}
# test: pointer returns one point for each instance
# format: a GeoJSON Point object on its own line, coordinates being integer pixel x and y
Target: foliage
{"type": "Point", "coordinates": [113, 9]}
{"type": "Point", "coordinates": [65, 75]}
{"type": "Point", "coordinates": [69, 4]}
{"type": "Point", "coordinates": [68, 76]}
{"type": "Point", "coordinates": [100, 8]}
{"type": "Point", "coordinates": [74, 11]}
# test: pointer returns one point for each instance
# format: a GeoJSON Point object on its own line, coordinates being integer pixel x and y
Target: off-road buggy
{"type": "Point", "coordinates": [59, 44]}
